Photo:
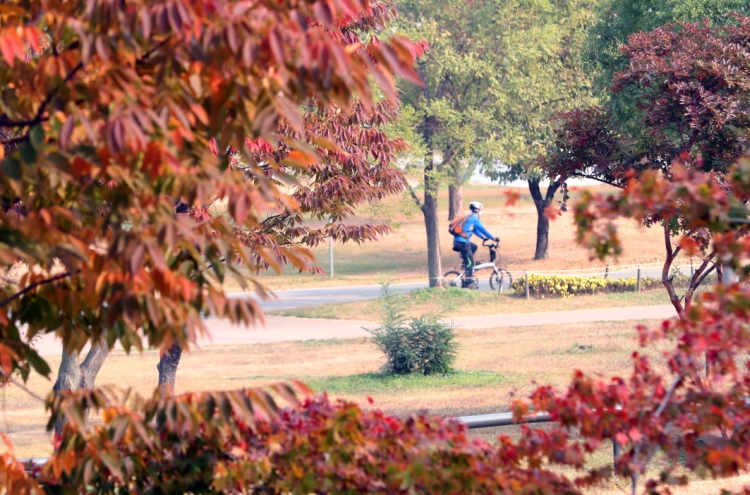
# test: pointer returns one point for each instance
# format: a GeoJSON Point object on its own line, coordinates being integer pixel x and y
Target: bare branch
{"type": "Point", "coordinates": [713, 267]}
{"type": "Point", "coordinates": [39, 117]}
{"type": "Point", "coordinates": [33, 286]}
{"type": "Point", "coordinates": [673, 298]}
{"type": "Point", "coordinates": [142, 59]}
{"type": "Point", "coordinates": [22, 386]}
{"type": "Point", "coordinates": [416, 198]}
{"type": "Point", "coordinates": [598, 179]}
{"type": "Point", "coordinates": [668, 396]}
{"type": "Point", "coordinates": [550, 102]}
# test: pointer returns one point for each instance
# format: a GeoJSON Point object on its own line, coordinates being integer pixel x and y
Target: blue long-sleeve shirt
{"type": "Point", "coordinates": [473, 226]}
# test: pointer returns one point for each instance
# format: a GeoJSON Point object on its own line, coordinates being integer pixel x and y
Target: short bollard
{"type": "Point", "coordinates": [638, 283]}
{"type": "Point", "coordinates": [526, 282]}
{"type": "Point", "coordinates": [606, 271]}
{"type": "Point", "coordinates": [615, 451]}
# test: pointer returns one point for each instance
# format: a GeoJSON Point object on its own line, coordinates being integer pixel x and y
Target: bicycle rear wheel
{"type": "Point", "coordinates": [453, 278]}
{"type": "Point", "coordinates": [500, 279]}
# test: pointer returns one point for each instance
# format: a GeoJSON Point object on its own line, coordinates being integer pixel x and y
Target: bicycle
{"type": "Point", "coordinates": [498, 277]}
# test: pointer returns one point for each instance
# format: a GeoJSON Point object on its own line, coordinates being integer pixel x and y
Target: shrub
{"type": "Point", "coordinates": [422, 345]}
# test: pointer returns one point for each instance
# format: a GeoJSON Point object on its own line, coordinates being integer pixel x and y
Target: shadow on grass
{"type": "Point", "coordinates": [367, 383]}
{"type": "Point", "coordinates": [380, 382]}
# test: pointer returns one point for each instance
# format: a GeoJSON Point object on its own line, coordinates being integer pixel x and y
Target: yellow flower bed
{"type": "Point", "coordinates": [567, 286]}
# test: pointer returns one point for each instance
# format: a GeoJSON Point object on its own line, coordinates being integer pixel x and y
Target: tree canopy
{"type": "Point", "coordinates": [690, 82]}
{"type": "Point", "coordinates": [493, 74]}
{"type": "Point", "coordinates": [125, 122]}
{"type": "Point", "coordinates": [616, 21]}
{"type": "Point", "coordinates": [100, 180]}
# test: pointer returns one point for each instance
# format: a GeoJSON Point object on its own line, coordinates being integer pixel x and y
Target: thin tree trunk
{"type": "Point", "coordinates": [168, 369]}
{"type": "Point", "coordinates": [542, 235]}
{"type": "Point", "coordinates": [455, 188]}
{"type": "Point", "coordinates": [431, 224]}
{"type": "Point", "coordinates": [434, 262]}
{"type": "Point", "coordinates": [68, 380]}
{"type": "Point", "coordinates": [455, 198]}
{"type": "Point", "coordinates": [542, 224]}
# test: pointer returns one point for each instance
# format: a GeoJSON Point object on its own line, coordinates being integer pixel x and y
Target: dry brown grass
{"type": "Point", "coordinates": [518, 356]}
{"type": "Point", "coordinates": [402, 255]}
{"type": "Point", "coordinates": [548, 354]}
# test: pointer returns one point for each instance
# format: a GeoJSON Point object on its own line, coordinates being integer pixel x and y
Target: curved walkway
{"type": "Point", "coordinates": [283, 329]}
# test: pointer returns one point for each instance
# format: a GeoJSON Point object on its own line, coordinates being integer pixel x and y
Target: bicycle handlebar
{"type": "Point", "coordinates": [492, 243]}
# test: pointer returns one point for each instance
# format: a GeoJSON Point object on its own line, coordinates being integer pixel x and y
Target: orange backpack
{"type": "Point", "coordinates": [456, 227]}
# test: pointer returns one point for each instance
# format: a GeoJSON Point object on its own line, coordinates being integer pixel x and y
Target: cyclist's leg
{"type": "Point", "coordinates": [470, 281]}
{"type": "Point", "coordinates": [469, 251]}
{"type": "Point", "coordinates": [458, 248]}
{"type": "Point", "coordinates": [466, 262]}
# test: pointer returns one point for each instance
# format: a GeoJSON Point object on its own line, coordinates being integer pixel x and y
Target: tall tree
{"type": "Point", "coordinates": [494, 74]}
{"type": "Point", "coordinates": [690, 81]}
{"type": "Point", "coordinates": [117, 117]}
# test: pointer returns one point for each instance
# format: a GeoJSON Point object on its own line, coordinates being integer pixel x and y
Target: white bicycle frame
{"type": "Point", "coordinates": [483, 266]}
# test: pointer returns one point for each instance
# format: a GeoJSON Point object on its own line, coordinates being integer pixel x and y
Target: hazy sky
{"type": "Point", "coordinates": [479, 178]}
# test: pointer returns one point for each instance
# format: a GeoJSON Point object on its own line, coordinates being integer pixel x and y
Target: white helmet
{"type": "Point", "coordinates": [475, 205]}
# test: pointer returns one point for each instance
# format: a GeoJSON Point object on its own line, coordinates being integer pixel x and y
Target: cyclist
{"type": "Point", "coordinates": [462, 243]}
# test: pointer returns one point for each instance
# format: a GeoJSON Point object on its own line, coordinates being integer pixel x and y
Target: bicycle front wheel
{"type": "Point", "coordinates": [453, 278]}
{"type": "Point", "coordinates": [499, 280]}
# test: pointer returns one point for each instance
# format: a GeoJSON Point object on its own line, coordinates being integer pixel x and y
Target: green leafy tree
{"type": "Point", "coordinates": [690, 80]}
{"type": "Point", "coordinates": [617, 20]}
{"type": "Point", "coordinates": [494, 73]}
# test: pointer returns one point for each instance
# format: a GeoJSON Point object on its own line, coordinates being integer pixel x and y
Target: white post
{"type": "Point", "coordinates": [638, 283]}
{"type": "Point", "coordinates": [526, 278]}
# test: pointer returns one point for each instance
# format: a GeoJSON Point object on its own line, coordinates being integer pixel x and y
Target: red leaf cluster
{"type": "Point", "coordinates": [236, 442]}
{"type": "Point", "coordinates": [148, 143]}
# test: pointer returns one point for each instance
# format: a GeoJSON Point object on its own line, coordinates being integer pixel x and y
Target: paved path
{"type": "Point", "coordinates": [283, 329]}
{"type": "Point", "coordinates": [297, 298]}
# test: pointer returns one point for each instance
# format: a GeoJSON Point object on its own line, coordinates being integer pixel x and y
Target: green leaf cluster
{"type": "Point", "coordinates": [494, 73]}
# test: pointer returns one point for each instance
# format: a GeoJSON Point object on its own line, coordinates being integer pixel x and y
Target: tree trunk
{"type": "Point", "coordinates": [431, 224]}
{"type": "Point", "coordinates": [168, 369]}
{"type": "Point", "coordinates": [93, 363]}
{"type": "Point", "coordinates": [456, 198]}
{"type": "Point", "coordinates": [542, 223]}
{"type": "Point", "coordinates": [73, 376]}
{"type": "Point", "coordinates": [455, 187]}
{"type": "Point", "coordinates": [68, 380]}
{"type": "Point", "coordinates": [542, 235]}
{"type": "Point", "coordinates": [434, 262]}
